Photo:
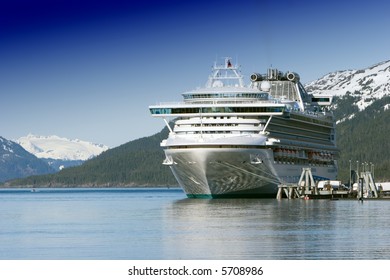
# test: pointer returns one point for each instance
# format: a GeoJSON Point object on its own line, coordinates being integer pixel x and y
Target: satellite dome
{"type": "Point", "coordinates": [265, 86]}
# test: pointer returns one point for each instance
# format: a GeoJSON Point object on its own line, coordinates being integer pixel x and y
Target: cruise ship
{"type": "Point", "coordinates": [228, 139]}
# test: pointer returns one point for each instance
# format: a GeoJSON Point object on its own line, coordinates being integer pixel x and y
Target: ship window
{"type": "Point", "coordinates": [158, 111]}
{"type": "Point", "coordinates": [319, 99]}
{"type": "Point", "coordinates": [198, 110]}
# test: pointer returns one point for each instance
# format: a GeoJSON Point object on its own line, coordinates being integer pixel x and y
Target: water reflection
{"type": "Point", "coordinates": [159, 224]}
{"type": "Point", "coordinates": [272, 229]}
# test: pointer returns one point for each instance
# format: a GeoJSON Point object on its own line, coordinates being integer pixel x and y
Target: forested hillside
{"type": "Point", "coordinates": [364, 137]}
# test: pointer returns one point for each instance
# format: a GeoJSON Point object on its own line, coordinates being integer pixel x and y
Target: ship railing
{"type": "Point", "coordinates": [171, 103]}
{"type": "Point", "coordinates": [244, 102]}
{"type": "Point", "coordinates": [207, 102]}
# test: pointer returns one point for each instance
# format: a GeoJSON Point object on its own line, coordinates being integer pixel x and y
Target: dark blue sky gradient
{"type": "Point", "coordinates": [89, 69]}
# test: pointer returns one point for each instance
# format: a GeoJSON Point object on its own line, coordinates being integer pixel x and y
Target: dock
{"type": "Point", "coordinates": [308, 188]}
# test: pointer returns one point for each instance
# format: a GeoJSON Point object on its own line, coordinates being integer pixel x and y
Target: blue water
{"type": "Point", "coordinates": [160, 224]}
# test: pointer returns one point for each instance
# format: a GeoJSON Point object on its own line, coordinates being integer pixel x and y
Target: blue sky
{"type": "Point", "coordinates": [90, 69]}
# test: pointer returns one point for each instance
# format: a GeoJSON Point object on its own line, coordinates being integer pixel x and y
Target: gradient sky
{"type": "Point", "coordinates": [90, 69]}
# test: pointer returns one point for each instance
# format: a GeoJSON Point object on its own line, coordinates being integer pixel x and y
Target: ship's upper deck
{"type": "Point", "coordinates": [225, 88]}
{"type": "Point", "coordinates": [224, 83]}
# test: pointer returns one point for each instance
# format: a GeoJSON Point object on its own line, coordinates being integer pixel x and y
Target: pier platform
{"type": "Point", "coordinates": [308, 188]}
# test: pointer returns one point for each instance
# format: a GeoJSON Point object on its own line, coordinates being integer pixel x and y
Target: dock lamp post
{"type": "Point", "coordinates": [357, 169]}
{"type": "Point", "coordinates": [350, 176]}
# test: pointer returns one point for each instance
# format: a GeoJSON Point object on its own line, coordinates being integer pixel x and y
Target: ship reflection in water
{"type": "Point", "coordinates": [272, 229]}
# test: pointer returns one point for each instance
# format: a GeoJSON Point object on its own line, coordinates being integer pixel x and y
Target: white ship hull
{"type": "Point", "coordinates": [235, 172]}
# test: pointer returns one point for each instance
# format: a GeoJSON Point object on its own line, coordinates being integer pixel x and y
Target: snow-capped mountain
{"type": "Point", "coordinates": [361, 108]}
{"type": "Point", "coordinates": [367, 85]}
{"type": "Point", "coordinates": [54, 147]}
{"type": "Point", "coordinates": [16, 162]}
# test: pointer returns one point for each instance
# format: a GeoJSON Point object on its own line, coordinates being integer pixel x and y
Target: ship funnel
{"type": "Point", "coordinates": [292, 76]}
{"type": "Point", "coordinates": [274, 74]}
{"type": "Point", "coordinates": [256, 77]}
